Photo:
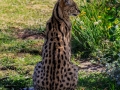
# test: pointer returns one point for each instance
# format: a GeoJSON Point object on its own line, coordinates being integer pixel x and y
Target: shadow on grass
{"type": "Point", "coordinates": [15, 83]}
{"type": "Point", "coordinates": [32, 52]}
{"type": "Point", "coordinates": [31, 34]}
{"type": "Point", "coordinates": [96, 82]}
{"type": "Point", "coordinates": [88, 82]}
{"type": "Point", "coordinates": [17, 35]}
{"type": "Point", "coordinates": [27, 33]}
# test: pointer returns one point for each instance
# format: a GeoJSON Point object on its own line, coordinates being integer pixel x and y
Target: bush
{"type": "Point", "coordinates": [96, 34]}
{"type": "Point", "coordinates": [88, 28]}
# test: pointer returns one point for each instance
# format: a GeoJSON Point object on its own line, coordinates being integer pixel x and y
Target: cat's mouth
{"type": "Point", "coordinates": [75, 14]}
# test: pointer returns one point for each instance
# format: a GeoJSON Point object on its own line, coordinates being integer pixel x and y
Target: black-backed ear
{"type": "Point", "coordinates": [67, 2]}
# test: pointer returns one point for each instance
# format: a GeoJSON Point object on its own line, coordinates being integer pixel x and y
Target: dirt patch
{"type": "Point", "coordinates": [91, 67]}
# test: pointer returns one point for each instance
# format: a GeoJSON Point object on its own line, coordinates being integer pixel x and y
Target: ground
{"type": "Point", "coordinates": [22, 23]}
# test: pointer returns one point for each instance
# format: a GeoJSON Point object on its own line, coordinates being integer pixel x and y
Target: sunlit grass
{"type": "Point", "coordinates": [24, 13]}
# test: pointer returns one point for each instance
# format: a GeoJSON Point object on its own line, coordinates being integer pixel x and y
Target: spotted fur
{"type": "Point", "coordinates": [55, 71]}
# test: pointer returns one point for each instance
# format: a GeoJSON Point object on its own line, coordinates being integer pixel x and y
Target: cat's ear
{"type": "Point", "coordinates": [67, 2]}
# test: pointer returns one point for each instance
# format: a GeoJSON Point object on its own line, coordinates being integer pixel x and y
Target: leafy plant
{"type": "Point", "coordinates": [88, 30]}
{"type": "Point", "coordinates": [96, 33]}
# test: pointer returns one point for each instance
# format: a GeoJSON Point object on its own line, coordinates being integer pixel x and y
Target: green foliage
{"type": "Point", "coordinates": [95, 82]}
{"type": "Point", "coordinates": [96, 33]}
{"type": "Point", "coordinates": [88, 28]}
{"type": "Point", "coordinates": [16, 82]}
{"type": "Point", "coordinates": [94, 26]}
{"type": "Point", "coordinates": [112, 60]}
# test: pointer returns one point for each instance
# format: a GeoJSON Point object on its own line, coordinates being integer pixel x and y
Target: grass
{"type": "Point", "coordinates": [25, 13]}
{"type": "Point", "coordinates": [19, 55]}
{"type": "Point", "coordinates": [95, 81]}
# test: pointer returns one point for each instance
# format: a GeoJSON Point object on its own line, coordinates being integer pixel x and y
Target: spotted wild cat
{"type": "Point", "coordinates": [55, 71]}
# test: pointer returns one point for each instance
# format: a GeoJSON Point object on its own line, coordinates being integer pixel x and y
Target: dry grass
{"type": "Point", "coordinates": [25, 13]}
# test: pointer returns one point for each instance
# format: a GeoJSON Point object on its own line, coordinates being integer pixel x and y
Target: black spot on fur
{"type": "Point", "coordinates": [51, 39]}
{"type": "Point", "coordinates": [68, 78]}
{"type": "Point", "coordinates": [64, 52]}
{"type": "Point", "coordinates": [58, 56]}
{"type": "Point", "coordinates": [43, 83]}
{"type": "Point", "coordinates": [62, 76]}
{"type": "Point", "coordinates": [38, 71]}
{"type": "Point", "coordinates": [51, 34]}
{"type": "Point", "coordinates": [59, 61]}
{"type": "Point", "coordinates": [43, 74]}
{"type": "Point", "coordinates": [49, 45]}
{"type": "Point", "coordinates": [57, 72]}
{"type": "Point", "coordinates": [58, 39]}
{"type": "Point", "coordinates": [73, 84]}
{"type": "Point", "coordinates": [48, 67]}
{"type": "Point", "coordinates": [45, 46]}
{"type": "Point", "coordinates": [70, 73]}
{"type": "Point", "coordinates": [47, 71]}
{"type": "Point", "coordinates": [59, 50]}
{"type": "Point", "coordinates": [39, 66]}
{"type": "Point", "coordinates": [49, 61]}
{"type": "Point", "coordinates": [46, 55]}
{"type": "Point", "coordinates": [49, 53]}
{"type": "Point", "coordinates": [67, 84]}
{"type": "Point", "coordinates": [38, 81]}
{"type": "Point", "coordinates": [46, 82]}
{"type": "Point", "coordinates": [59, 44]}
{"type": "Point", "coordinates": [41, 77]}
{"type": "Point", "coordinates": [68, 69]}
{"type": "Point", "coordinates": [66, 57]}
{"type": "Point", "coordinates": [58, 66]}
{"type": "Point", "coordinates": [56, 85]}
{"type": "Point", "coordinates": [56, 34]}
{"type": "Point", "coordinates": [46, 78]}
{"type": "Point", "coordinates": [51, 71]}
{"type": "Point", "coordinates": [57, 78]}
{"type": "Point", "coordinates": [43, 55]}
{"type": "Point", "coordinates": [62, 57]}
{"type": "Point", "coordinates": [46, 61]}
{"type": "Point", "coordinates": [61, 85]}
{"type": "Point", "coordinates": [38, 76]}
{"type": "Point", "coordinates": [64, 70]}
{"type": "Point", "coordinates": [63, 80]}
{"type": "Point", "coordinates": [46, 51]}
{"type": "Point", "coordinates": [64, 63]}
{"type": "Point", "coordinates": [64, 48]}
{"type": "Point", "coordinates": [44, 67]}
